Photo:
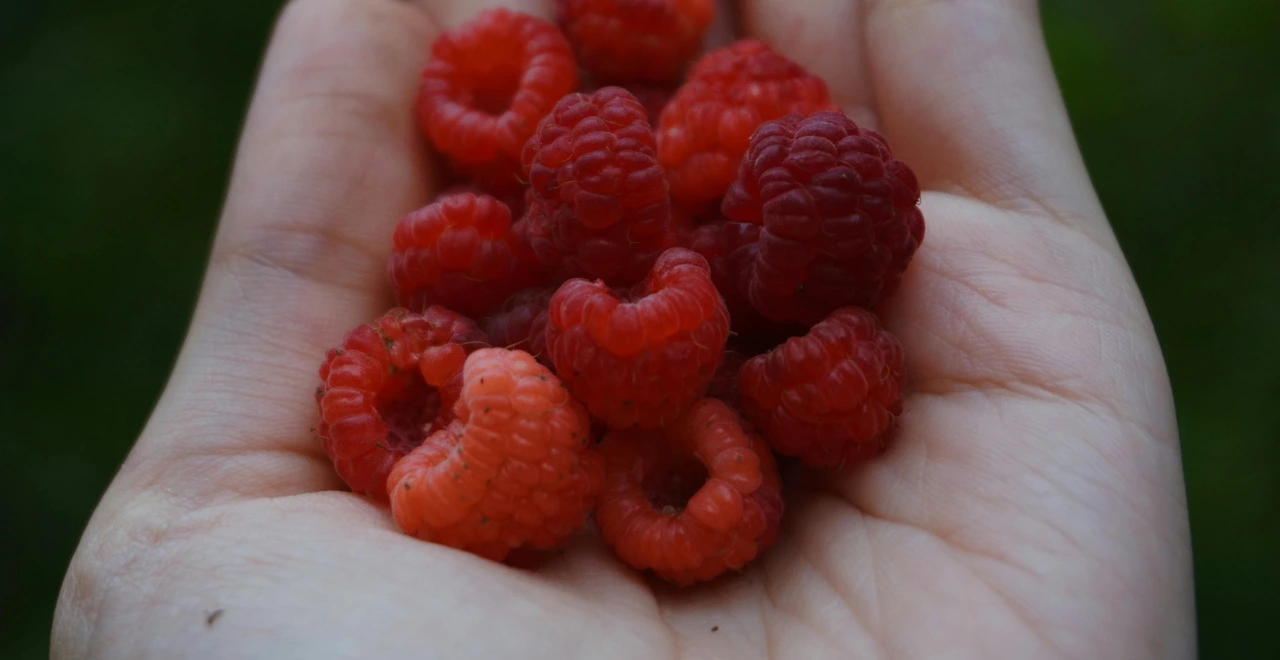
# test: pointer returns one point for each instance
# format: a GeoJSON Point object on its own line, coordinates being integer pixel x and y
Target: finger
{"type": "Point", "coordinates": [329, 159]}
{"type": "Point", "coordinates": [824, 36]}
{"type": "Point", "coordinates": [452, 13]}
{"type": "Point", "coordinates": [965, 92]}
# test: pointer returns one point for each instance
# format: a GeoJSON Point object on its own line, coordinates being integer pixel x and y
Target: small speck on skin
{"type": "Point", "coordinates": [715, 628]}
{"type": "Point", "coordinates": [211, 618]}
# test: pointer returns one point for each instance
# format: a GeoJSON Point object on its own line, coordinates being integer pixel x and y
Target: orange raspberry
{"type": "Point", "coordinates": [516, 468]}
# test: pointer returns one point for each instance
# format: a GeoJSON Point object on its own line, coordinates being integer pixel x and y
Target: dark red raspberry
{"type": "Point", "coordinates": [626, 40]}
{"type": "Point", "coordinates": [381, 392]}
{"type": "Point", "coordinates": [692, 501]}
{"type": "Point", "coordinates": [516, 468]}
{"type": "Point", "coordinates": [640, 358]}
{"type": "Point", "coordinates": [488, 84]}
{"type": "Point", "coordinates": [521, 323]}
{"type": "Point", "coordinates": [456, 252]}
{"type": "Point", "coordinates": [831, 397]}
{"type": "Point", "coordinates": [602, 209]}
{"type": "Point", "coordinates": [839, 214]}
{"type": "Point", "coordinates": [705, 129]}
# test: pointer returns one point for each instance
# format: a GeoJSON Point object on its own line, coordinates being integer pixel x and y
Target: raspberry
{"type": "Point", "coordinates": [516, 468]}
{"type": "Point", "coordinates": [601, 208]}
{"type": "Point", "coordinates": [640, 358]}
{"type": "Point", "coordinates": [627, 40]}
{"type": "Point", "coordinates": [830, 397]}
{"type": "Point", "coordinates": [693, 501]}
{"type": "Point", "coordinates": [456, 252]}
{"type": "Point", "coordinates": [488, 84]}
{"type": "Point", "coordinates": [706, 127]}
{"type": "Point", "coordinates": [521, 323]}
{"type": "Point", "coordinates": [381, 392]}
{"type": "Point", "coordinates": [839, 216]}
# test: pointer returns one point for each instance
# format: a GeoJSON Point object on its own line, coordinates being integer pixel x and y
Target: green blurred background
{"type": "Point", "coordinates": [117, 126]}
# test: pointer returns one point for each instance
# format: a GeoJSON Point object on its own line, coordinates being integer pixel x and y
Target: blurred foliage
{"type": "Point", "coordinates": [117, 128]}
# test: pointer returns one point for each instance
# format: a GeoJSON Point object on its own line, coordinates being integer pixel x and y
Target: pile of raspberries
{"type": "Point", "coordinates": [649, 279]}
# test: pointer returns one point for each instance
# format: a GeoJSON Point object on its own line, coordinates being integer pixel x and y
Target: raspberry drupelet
{"type": "Point", "coordinates": [629, 40]}
{"type": "Point", "coordinates": [640, 358]}
{"type": "Point", "coordinates": [830, 397]}
{"type": "Point", "coordinates": [692, 501]}
{"type": "Point", "coordinates": [516, 468]}
{"type": "Point", "coordinates": [706, 127]}
{"type": "Point", "coordinates": [601, 208]}
{"type": "Point", "coordinates": [376, 396]}
{"type": "Point", "coordinates": [838, 214]}
{"type": "Point", "coordinates": [456, 252]}
{"type": "Point", "coordinates": [488, 84]}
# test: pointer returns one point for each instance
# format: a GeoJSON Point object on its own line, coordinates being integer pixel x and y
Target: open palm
{"type": "Point", "coordinates": [1032, 505]}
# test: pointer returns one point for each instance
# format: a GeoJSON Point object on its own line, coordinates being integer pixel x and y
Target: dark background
{"type": "Point", "coordinates": [117, 126]}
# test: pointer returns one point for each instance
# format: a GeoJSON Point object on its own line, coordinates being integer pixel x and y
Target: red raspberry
{"type": "Point", "coordinates": [693, 501]}
{"type": "Point", "coordinates": [839, 216]}
{"type": "Point", "coordinates": [706, 128]}
{"type": "Point", "coordinates": [626, 40]}
{"type": "Point", "coordinates": [602, 209]}
{"type": "Point", "coordinates": [380, 391]}
{"type": "Point", "coordinates": [456, 252]}
{"type": "Point", "coordinates": [521, 323]}
{"type": "Point", "coordinates": [640, 358]}
{"type": "Point", "coordinates": [488, 84]}
{"type": "Point", "coordinates": [517, 467]}
{"type": "Point", "coordinates": [830, 397]}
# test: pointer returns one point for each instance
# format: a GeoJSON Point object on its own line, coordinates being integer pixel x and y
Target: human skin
{"type": "Point", "coordinates": [1032, 505]}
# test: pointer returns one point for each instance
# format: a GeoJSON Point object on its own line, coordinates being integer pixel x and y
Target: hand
{"type": "Point", "coordinates": [1031, 507]}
